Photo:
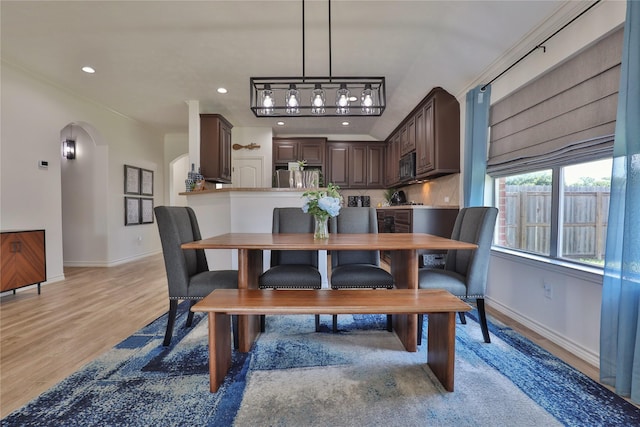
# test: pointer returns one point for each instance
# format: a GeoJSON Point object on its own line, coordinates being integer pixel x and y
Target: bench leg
{"type": "Point", "coordinates": [441, 341]}
{"type": "Point", "coordinates": [219, 349]}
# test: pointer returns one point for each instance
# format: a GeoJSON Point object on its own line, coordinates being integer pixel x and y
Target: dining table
{"type": "Point", "coordinates": [404, 265]}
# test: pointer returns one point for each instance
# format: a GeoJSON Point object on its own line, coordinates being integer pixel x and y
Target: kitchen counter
{"type": "Point", "coordinates": [236, 189]}
{"type": "Point", "coordinates": [418, 207]}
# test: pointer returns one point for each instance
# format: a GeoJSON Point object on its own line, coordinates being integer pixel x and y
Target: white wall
{"type": "Point", "coordinates": [572, 317]}
{"type": "Point", "coordinates": [34, 112]}
{"type": "Point", "coordinates": [261, 136]}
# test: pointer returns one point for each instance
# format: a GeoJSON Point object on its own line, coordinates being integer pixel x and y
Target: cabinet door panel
{"type": "Point", "coordinates": [375, 164]}
{"type": "Point", "coordinates": [313, 153]}
{"type": "Point", "coordinates": [425, 140]}
{"type": "Point", "coordinates": [392, 175]}
{"type": "Point", "coordinates": [358, 170]}
{"type": "Point", "coordinates": [337, 164]}
{"type": "Point", "coordinates": [285, 152]}
{"type": "Point", "coordinates": [225, 152]}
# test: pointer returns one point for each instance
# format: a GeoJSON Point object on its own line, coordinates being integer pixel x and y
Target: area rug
{"type": "Point", "coordinates": [295, 376]}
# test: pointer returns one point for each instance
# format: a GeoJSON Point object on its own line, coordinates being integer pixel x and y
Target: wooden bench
{"type": "Point", "coordinates": [439, 305]}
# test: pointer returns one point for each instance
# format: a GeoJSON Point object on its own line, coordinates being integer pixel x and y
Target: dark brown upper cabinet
{"type": "Point", "coordinates": [432, 130]}
{"type": "Point", "coordinates": [287, 150]}
{"type": "Point", "coordinates": [215, 148]}
{"type": "Point", "coordinates": [355, 164]}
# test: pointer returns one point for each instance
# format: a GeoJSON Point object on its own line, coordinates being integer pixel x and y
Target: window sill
{"type": "Point", "coordinates": [580, 271]}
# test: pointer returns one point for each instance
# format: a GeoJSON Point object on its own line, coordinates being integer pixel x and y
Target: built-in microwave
{"type": "Point", "coordinates": [408, 167]}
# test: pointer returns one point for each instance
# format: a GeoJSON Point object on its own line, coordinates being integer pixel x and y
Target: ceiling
{"type": "Point", "coordinates": [153, 56]}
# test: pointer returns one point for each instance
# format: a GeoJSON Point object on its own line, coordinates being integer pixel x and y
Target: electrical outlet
{"type": "Point", "coordinates": [548, 290]}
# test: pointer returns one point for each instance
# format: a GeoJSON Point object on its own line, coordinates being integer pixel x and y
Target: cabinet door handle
{"type": "Point", "coordinates": [16, 246]}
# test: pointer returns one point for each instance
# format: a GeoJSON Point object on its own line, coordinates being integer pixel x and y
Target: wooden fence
{"type": "Point", "coordinates": [526, 220]}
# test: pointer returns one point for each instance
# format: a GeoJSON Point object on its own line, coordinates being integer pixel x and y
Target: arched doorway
{"type": "Point", "coordinates": [84, 186]}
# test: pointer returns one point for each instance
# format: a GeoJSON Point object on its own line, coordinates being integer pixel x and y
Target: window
{"type": "Point", "coordinates": [524, 218]}
{"type": "Point", "coordinates": [585, 210]}
{"type": "Point", "coordinates": [559, 212]}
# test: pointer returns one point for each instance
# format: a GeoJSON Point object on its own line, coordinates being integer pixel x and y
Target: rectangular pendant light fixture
{"type": "Point", "coordinates": [317, 96]}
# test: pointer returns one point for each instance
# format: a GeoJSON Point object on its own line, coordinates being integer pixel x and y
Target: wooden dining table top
{"type": "Point", "coordinates": [336, 241]}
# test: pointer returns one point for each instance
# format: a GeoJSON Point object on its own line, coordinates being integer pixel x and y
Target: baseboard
{"type": "Point", "coordinates": [110, 263]}
{"type": "Point", "coordinates": [558, 339]}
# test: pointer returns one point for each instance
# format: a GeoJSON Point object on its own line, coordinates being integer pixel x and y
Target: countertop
{"type": "Point", "coordinates": [418, 207]}
{"type": "Point", "coordinates": [253, 189]}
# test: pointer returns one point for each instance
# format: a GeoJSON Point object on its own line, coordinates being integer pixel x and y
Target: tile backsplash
{"type": "Point", "coordinates": [444, 191]}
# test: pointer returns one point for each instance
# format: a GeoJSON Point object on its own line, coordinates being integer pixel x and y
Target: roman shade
{"type": "Point", "coordinates": [565, 116]}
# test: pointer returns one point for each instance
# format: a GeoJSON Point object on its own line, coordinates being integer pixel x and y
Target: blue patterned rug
{"type": "Point", "coordinates": [297, 377]}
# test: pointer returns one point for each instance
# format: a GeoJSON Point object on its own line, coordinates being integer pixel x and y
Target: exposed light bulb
{"type": "Point", "coordinates": [293, 100]}
{"type": "Point", "coordinates": [366, 100]}
{"type": "Point", "coordinates": [267, 100]}
{"type": "Point", "coordinates": [317, 100]}
{"type": "Point", "coordinates": [342, 100]}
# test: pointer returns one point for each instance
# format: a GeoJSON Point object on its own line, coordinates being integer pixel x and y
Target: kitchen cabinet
{"type": "Point", "coordinates": [408, 136]}
{"type": "Point", "coordinates": [337, 164]}
{"type": "Point", "coordinates": [22, 259]}
{"type": "Point", "coordinates": [215, 148]}
{"type": "Point", "coordinates": [355, 164]}
{"type": "Point", "coordinates": [432, 130]}
{"type": "Point", "coordinates": [438, 143]}
{"type": "Point", "coordinates": [425, 144]}
{"type": "Point", "coordinates": [392, 169]}
{"type": "Point", "coordinates": [417, 219]}
{"type": "Point", "coordinates": [287, 150]}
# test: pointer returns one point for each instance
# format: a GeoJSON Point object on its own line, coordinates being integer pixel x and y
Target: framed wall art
{"type": "Point", "coordinates": [146, 182]}
{"type": "Point", "coordinates": [146, 211]}
{"type": "Point", "coordinates": [131, 180]}
{"type": "Point", "coordinates": [131, 211]}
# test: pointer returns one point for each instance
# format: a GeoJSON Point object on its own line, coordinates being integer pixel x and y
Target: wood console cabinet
{"type": "Point", "coordinates": [215, 148]}
{"type": "Point", "coordinates": [356, 164]}
{"type": "Point", "coordinates": [22, 259]}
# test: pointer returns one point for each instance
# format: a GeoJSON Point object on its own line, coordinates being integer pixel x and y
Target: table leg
{"type": "Point", "coordinates": [404, 268]}
{"type": "Point", "coordinates": [441, 338]}
{"type": "Point", "coordinates": [249, 270]}
{"type": "Point", "coordinates": [219, 349]}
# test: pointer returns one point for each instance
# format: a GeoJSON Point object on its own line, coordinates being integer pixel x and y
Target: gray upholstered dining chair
{"type": "Point", "coordinates": [188, 274]}
{"type": "Point", "coordinates": [465, 271]}
{"type": "Point", "coordinates": [292, 269]}
{"type": "Point", "coordinates": [357, 269]}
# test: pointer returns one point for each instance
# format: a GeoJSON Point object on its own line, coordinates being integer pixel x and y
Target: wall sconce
{"type": "Point", "coordinates": [69, 149]}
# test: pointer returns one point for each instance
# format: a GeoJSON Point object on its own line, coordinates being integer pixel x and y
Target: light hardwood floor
{"type": "Point", "coordinates": [44, 338]}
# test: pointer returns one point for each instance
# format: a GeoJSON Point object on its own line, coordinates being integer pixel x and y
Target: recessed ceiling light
{"type": "Point", "coordinates": [222, 90]}
{"type": "Point", "coordinates": [88, 69]}
{"type": "Point", "coordinates": [345, 123]}
{"type": "Point", "coordinates": [280, 123]}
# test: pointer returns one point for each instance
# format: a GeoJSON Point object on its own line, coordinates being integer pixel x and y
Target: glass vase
{"type": "Point", "coordinates": [321, 228]}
